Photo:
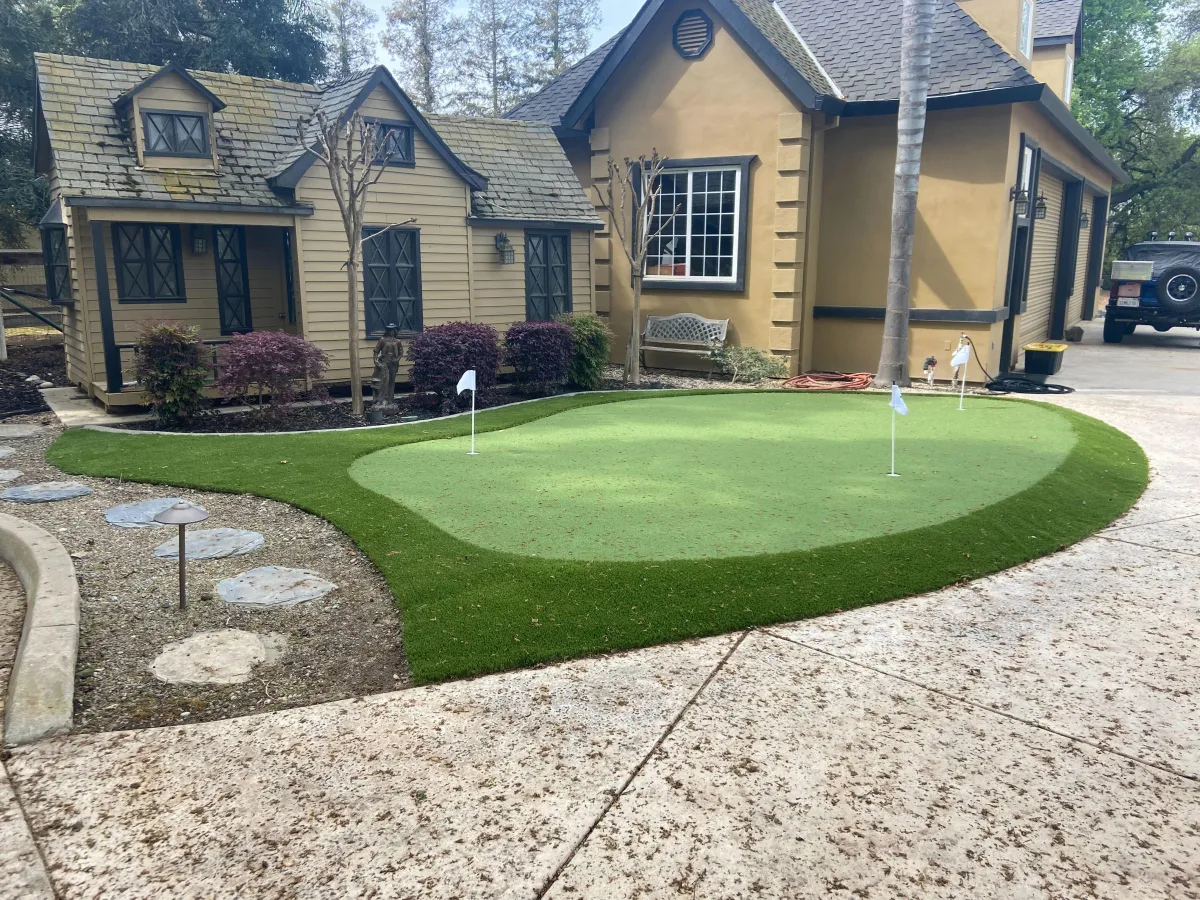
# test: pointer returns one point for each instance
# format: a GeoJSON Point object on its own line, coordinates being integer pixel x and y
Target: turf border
{"type": "Point", "coordinates": [469, 611]}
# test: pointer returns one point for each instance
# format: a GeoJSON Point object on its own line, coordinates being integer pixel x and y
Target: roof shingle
{"type": "Point", "coordinates": [1057, 19]}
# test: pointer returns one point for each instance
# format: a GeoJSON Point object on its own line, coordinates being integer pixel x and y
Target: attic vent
{"type": "Point", "coordinates": [692, 34]}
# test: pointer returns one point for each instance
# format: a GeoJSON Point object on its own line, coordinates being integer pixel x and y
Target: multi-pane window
{"type": "Point", "coordinates": [57, 263]}
{"type": "Point", "coordinates": [175, 134]}
{"type": "Point", "coordinates": [694, 226]}
{"type": "Point", "coordinates": [392, 279]}
{"type": "Point", "coordinates": [394, 143]}
{"type": "Point", "coordinates": [547, 275]}
{"type": "Point", "coordinates": [148, 265]}
{"type": "Point", "coordinates": [1027, 8]}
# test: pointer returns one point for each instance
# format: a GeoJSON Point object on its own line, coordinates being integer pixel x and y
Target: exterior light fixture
{"type": "Point", "coordinates": [182, 514]}
{"type": "Point", "coordinates": [199, 240]}
{"type": "Point", "coordinates": [1021, 197]}
{"type": "Point", "coordinates": [1084, 221]}
{"type": "Point", "coordinates": [1170, 235]}
{"type": "Point", "coordinates": [504, 249]}
{"type": "Point", "coordinates": [1152, 235]}
{"type": "Point", "coordinates": [1039, 208]}
{"type": "Point", "coordinates": [1191, 235]}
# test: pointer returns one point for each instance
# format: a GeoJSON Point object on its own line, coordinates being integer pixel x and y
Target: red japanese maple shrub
{"type": "Point", "coordinates": [441, 354]}
{"type": "Point", "coordinates": [271, 364]}
{"type": "Point", "coordinates": [540, 354]}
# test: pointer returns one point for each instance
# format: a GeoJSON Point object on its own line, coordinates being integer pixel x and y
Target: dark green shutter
{"type": "Point", "coordinates": [547, 275]}
{"type": "Point", "coordinates": [392, 279]}
{"type": "Point", "coordinates": [233, 281]}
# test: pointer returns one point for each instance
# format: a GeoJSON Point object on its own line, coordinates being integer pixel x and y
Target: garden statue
{"type": "Point", "coordinates": [930, 368]}
{"type": "Point", "coordinates": [387, 362]}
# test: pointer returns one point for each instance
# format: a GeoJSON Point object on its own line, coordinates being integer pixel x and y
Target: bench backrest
{"type": "Point", "coordinates": [686, 328]}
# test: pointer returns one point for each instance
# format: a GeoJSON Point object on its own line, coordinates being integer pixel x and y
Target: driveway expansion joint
{"type": "Point", "coordinates": [1116, 540]}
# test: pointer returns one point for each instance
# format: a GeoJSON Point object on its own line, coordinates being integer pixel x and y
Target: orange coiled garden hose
{"type": "Point", "coordinates": [830, 381]}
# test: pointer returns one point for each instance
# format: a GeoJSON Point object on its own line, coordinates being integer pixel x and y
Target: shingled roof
{"type": "Point", "coordinates": [549, 104]}
{"type": "Point", "coordinates": [528, 176]}
{"type": "Point", "coordinates": [1057, 21]}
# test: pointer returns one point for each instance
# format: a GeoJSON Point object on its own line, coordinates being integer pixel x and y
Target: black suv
{"type": "Point", "coordinates": [1155, 283]}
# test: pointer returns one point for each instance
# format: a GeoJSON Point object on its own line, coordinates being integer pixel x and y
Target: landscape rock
{"type": "Point", "coordinates": [30, 379]}
{"type": "Point", "coordinates": [212, 543]}
{"type": "Point", "coordinates": [6, 451]}
{"type": "Point", "coordinates": [273, 586]}
{"type": "Point", "coordinates": [7, 475]}
{"type": "Point", "coordinates": [140, 514]}
{"type": "Point", "coordinates": [46, 492]}
{"type": "Point", "coordinates": [9, 432]}
{"type": "Point", "coordinates": [227, 656]}
{"type": "Point", "coordinates": [46, 384]}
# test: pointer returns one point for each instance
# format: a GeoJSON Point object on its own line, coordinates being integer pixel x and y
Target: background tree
{"type": "Point", "coordinates": [915, 55]}
{"type": "Point", "coordinates": [631, 199]}
{"type": "Point", "coordinates": [493, 59]}
{"type": "Point", "coordinates": [423, 35]}
{"type": "Point", "coordinates": [351, 43]}
{"type": "Point", "coordinates": [559, 34]}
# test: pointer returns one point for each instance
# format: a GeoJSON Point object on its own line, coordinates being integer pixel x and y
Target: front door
{"type": "Point", "coordinates": [547, 274]}
{"type": "Point", "coordinates": [233, 282]}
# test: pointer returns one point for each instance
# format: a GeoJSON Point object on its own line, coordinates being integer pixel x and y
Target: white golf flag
{"type": "Point", "coordinates": [897, 402]}
{"type": "Point", "coordinates": [467, 382]}
{"type": "Point", "coordinates": [961, 356]}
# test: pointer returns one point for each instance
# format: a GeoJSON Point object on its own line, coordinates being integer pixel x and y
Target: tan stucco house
{"type": "Point", "coordinates": [190, 196]}
{"type": "Point", "coordinates": [780, 120]}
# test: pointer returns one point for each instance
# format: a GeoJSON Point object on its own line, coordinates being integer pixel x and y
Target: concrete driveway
{"type": "Point", "coordinates": [1032, 734]}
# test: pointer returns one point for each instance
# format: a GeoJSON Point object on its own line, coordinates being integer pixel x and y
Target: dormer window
{"type": "Point", "coordinates": [175, 134]}
{"type": "Point", "coordinates": [394, 141]}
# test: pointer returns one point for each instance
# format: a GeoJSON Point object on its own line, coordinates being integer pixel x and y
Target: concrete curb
{"type": "Point", "coordinates": [41, 690]}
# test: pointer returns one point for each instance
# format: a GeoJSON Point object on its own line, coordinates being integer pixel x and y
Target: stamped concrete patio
{"type": "Point", "coordinates": [1032, 734]}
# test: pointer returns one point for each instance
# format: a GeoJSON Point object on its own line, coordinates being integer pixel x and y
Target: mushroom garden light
{"type": "Point", "coordinates": [182, 514]}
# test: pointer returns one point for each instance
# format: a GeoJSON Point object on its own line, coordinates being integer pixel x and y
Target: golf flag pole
{"type": "Point", "coordinates": [898, 406]}
{"type": "Point", "coordinates": [467, 383]}
{"type": "Point", "coordinates": [961, 357]}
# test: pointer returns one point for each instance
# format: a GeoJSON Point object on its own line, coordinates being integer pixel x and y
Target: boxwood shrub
{"type": "Point", "coordinates": [591, 343]}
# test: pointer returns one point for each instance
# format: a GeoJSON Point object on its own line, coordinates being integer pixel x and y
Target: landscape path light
{"type": "Point", "coordinates": [182, 514]}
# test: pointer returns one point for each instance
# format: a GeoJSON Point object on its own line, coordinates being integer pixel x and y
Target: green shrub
{"type": "Point", "coordinates": [171, 366]}
{"type": "Point", "coordinates": [591, 342]}
{"type": "Point", "coordinates": [748, 363]}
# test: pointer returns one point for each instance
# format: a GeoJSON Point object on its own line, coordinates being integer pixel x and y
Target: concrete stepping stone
{"type": "Point", "coordinates": [46, 492]}
{"type": "Point", "coordinates": [273, 586]}
{"type": "Point", "coordinates": [7, 475]}
{"type": "Point", "coordinates": [212, 543]}
{"type": "Point", "coordinates": [227, 656]}
{"type": "Point", "coordinates": [140, 514]}
{"type": "Point", "coordinates": [7, 451]}
{"type": "Point", "coordinates": [10, 432]}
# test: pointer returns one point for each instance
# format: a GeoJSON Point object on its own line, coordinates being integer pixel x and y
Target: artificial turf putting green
{"type": "Point", "coordinates": [469, 610]}
{"type": "Point", "coordinates": [720, 475]}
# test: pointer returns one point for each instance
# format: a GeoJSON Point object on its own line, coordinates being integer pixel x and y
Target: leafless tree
{"type": "Point", "coordinates": [631, 199]}
{"type": "Point", "coordinates": [915, 54]}
{"type": "Point", "coordinates": [355, 162]}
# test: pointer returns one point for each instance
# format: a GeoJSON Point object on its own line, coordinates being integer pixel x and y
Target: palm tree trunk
{"type": "Point", "coordinates": [910, 135]}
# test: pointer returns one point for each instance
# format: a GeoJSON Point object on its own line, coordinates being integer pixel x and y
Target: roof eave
{"type": "Point", "coordinates": [990, 97]}
{"type": "Point", "coordinates": [1061, 115]}
{"type": "Point", "coordinates": [588, 224]}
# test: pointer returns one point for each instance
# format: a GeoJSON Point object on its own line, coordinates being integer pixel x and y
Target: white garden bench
{"type": "Point", "coordinates": [683, 333]}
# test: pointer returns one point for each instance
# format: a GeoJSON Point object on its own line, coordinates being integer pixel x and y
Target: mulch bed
{"type": "Point", "coordinates": [30, 356]}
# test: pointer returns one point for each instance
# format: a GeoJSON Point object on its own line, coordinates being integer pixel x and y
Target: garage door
{"type": "Point", "coordinates": [1075, 305]}
{"type": "Point", "coordinates": [1039, 302]}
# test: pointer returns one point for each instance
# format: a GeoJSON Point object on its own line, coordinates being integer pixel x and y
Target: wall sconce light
{"type": "Point", "coordinates": [1084, 221]}
{"type": "Point", "coordinates": [1152, 235]}
{"type": "Point", "coordinates": [199, 234]}
{"type": "Point", "coordinates": [1039, 208]}
{"type": "Point", "coordinates": [1190, 235]}
{"type": "Point", "coordinates": [504, 249]}
{"type": "Point", "coordinates": [1022, 201]}
{"type": "Point", "coordinates": [1170, 235]}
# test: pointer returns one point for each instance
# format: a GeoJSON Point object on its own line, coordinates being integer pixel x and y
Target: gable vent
{"type": "Point", "coordinates": [692, 34]}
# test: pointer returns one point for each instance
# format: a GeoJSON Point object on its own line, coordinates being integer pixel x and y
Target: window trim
{"type": "Point", "coordinates": [176, 253]}
{"type": "Point", "coordinates": [409, 129]}
{"type": "Point", "coordinates": [368, 230]}
{"type": "Point", "coordinates": [741, 214]}
{"type": "Point", "coordinates": [548, 233]}
{"type": "Point", "coordinates": [49, 265]}
{"type": "Point", "coordinates": [1026, 35]}
{"type": "Point", "coordinates": [176, 114]}
{"type": "Point", "coordinates": [1068, 79]}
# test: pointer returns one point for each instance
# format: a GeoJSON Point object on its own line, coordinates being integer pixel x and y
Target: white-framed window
{"type": "Point", "coordinates": [1068, 80]}
{"type": "Point", "coordinates": [702, 241]}
{"type": "Point", "coordinates": [1027, 9]}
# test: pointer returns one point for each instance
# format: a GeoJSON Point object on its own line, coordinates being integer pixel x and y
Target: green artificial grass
{"type": "Point", "coordinates": [720, 475]}
{"type": "Point", "coordinates": [469, 610]}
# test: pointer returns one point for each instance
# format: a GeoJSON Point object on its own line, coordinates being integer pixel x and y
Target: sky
{"type": "Point", "coordinates": [615, 15]}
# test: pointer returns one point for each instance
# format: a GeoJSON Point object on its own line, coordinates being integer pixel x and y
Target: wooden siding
{"type": "Point", "coordinates": [1035, 321]}
{"type": "Point", "coordinates": [499, 290]}
{"type": "Point", "coordinates": [1075, 304]}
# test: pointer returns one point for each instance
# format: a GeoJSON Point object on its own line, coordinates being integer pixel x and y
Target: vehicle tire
{"type": "Point", "coordinates": [1179, 289]}
{"type": "Point", "coordinates": [1114, 331]}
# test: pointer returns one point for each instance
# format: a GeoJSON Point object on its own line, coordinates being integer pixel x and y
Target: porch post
{"type": "Point", "coordinates": [112, 355]}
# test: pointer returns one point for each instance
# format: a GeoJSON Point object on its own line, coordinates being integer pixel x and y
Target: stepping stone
{"type": "Point", "coordinates": [212, 543]}
{"type": "Point", "coordinates": [8, 432]}
{"type": "Point", "coordinates": [7, 475]}
{"type": "Point", "coordinates": [273, 586]}
{"type": "Point", "coordinates": [7, 451]}
{"type": "Point", "coordinates": [140, 514]}
{"type": "Point", "coordinates": [46, 492]}
{"type": "Point", "coordinates": [227, 656]}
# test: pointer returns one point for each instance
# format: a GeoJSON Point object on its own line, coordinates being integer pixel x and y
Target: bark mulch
{"type": "Point", "coordinates": [30, 356]}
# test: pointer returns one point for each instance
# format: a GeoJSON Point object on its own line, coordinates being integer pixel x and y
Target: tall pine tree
{"type": "Point", "coordinates": [559, 33]}
{"type": "Point", "coordinates": [494, 59]}
{"type": "Point", "coordinates": [423, 35]}
{"type": "Point", "coordinates": [351, 41]}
